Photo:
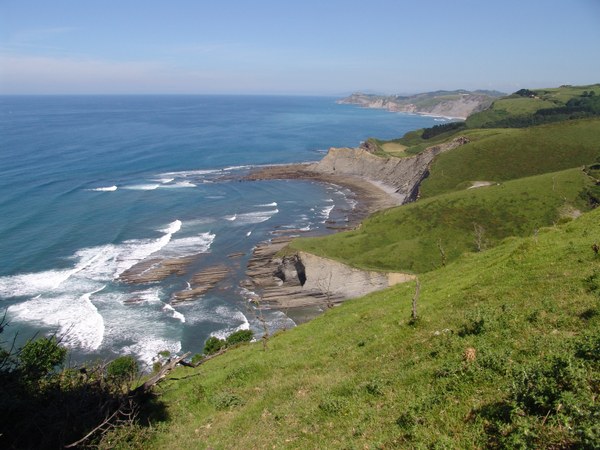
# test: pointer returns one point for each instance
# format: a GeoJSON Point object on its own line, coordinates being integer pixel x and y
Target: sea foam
{"type": "Point", "coordinates": [105, 189]}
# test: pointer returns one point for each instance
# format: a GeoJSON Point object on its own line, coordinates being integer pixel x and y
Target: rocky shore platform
{"type": "Point", "coordinates": [278, 280]}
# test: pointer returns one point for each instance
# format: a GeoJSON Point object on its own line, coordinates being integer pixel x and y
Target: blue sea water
{"type": "Point", "coordinates": [92, 185]}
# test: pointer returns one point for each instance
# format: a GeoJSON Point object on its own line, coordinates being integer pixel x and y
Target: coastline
{"type": "Point", "coordinates": [274, 281]}
{"type": "Point", "coordinates": [370, 196]}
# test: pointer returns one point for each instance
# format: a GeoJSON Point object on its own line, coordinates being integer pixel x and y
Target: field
{"type": "Point", "coordinates": [419, 237]}
{"type": "Point", "coordinates": [508, 153]}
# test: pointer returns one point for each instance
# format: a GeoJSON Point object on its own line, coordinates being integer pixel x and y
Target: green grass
{"type": "Point", "coordinates": [506, 154]}
{"type": "Point", "coordinates": [408, 238]}
{"type": "Point", "coordinates": [361, 376]}
{"type": "Point", "coordinates": [524, 106]}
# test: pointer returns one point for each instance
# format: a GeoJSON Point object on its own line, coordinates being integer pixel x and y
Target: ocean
{"type": "Point", "coordinates": [91, 186]}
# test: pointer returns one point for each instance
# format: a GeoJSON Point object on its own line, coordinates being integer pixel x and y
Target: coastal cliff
{"type": "Point", "coordinates": [454, 104]}
{"type": "Point", "coordinates": [304, 279]}
{"type": "Point", "coordinates": [398, 176]}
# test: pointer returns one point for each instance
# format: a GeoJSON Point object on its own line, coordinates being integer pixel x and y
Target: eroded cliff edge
{"type": "Point", "coordinates": [398, 176]}
{"type": "Point", "coordinates": [304, 279]}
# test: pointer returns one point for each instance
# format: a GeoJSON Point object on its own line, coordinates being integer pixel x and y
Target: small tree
{"type": "Point", "coordinates": [40, 357]}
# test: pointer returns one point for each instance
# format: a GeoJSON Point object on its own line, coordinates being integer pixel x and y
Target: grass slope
{"type": "Point", "coordinates": [507, 154]}
{"type": "Point", "coordinates": [515, 105]}
{"type": "Point", "coordinates": [408, 238]}
{"type": "Point", "coordinates": [505, 355]}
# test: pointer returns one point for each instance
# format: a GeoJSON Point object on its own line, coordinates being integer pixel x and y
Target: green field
{"type": "Point", "coordinates": [408, 238]}
{"type": "Point", "coordinates": [504, 355]}
{"type": "Point", "coordinates": [508, 153]}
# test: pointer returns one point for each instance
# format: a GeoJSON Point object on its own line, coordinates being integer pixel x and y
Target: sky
{"type": "Point", "coordinates": [298, 47]}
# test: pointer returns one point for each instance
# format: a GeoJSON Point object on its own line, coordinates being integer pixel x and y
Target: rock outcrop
{"type": "Point", "coordinates": [400, 175]}
{"type": "Point", "coordinates": [305, 279]}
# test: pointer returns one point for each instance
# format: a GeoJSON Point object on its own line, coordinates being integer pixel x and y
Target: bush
{"type": "Point", "coordinates": [38, 358]}
{"type": "Point", "coordinates": [239, 336]}
{"type": "Point", "coordinates": [227, 400]}
{"type": "Point", "coordinates": [213, 344]}
{"type": "Point", "coordinates": [122, 369]}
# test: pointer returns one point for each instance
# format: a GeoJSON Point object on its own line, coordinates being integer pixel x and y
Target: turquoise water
{"type": "Point", "coordinates": [91, 186]}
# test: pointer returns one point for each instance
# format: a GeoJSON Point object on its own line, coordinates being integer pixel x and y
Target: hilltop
{"type": "Point", "coordinates": [455, 104]}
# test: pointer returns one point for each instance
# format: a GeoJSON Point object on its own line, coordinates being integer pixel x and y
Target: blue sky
{"type": "Point", "coordinates": [295, 47]}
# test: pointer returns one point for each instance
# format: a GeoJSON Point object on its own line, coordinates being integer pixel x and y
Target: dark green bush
{"type": "Point", "coordinates": [122, 369]}
{"type": "Point", "coordinates": [38, 358]}
{"type": "Point", "coordinates": [239, 336]}
{"type": "Point", "coordinates": [213, 344]}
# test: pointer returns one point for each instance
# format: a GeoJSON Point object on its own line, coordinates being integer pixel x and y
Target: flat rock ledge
{"type": "Point", "coordinates": [201, 283]}
{"type": "Point", "coordinates": [156, 269]}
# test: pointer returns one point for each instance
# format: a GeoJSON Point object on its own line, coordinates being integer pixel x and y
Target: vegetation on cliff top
{"type": "Point", "coordinates": [422, 236]}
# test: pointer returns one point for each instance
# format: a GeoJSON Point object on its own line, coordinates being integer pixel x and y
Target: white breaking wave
{"type": "Point", "coordinates": [147, 348]}
{"type": "Point", "coordinates": [269, 204]}
{"type": "Point", "coordinates": [138, 250]}
{"type": "Point", "coordinates": [142, 187]}
{"type": "Point", "coordinates": [231, 218]}
{"type": "Point", "coordinates": [188, 246]}
{"type": "Point", "coordinates": [63, 298]}
{"type": "Point", "coordinates": [327, 211]}
{"type": "Point", "coordinates": [255, 217]}
{"type": "Point", "coordinates": [235, 316]}
{"type": "Point", "coordinates": [105, 189]}
{"type": "Point", "coordinates": [76, 318]}
{"type": "Point", "coordinates": [178, 185]}
{"type": "Point", "coordinates": [176, 315]}
{"type": "Point", "coordinates": [188, 173]}
{"type": "Point", "coordinates": [229, 169]}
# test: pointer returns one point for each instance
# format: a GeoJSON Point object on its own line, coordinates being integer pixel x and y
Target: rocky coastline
{"type": "Point", "coordinates": [305, 280]}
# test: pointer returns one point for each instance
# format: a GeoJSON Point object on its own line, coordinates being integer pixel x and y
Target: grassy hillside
{"type": "Point", "coordinates": [504, 355]}
{"type": "Point", "coordinates": [508, 153]}
{"type": "Point", "coordinates": [524, 108]}
{"type": "Point", "coordinates": [408, 238]}
{"type": "Point", "coordinates": [518, 108]}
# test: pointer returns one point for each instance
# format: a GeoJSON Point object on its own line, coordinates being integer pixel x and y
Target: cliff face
{"type": "Point", "coordinates": [455, 104]}
{"type": "Point", "coordinates": [399, 175]}
{"type": "Point", "coordinates": [339, 281]}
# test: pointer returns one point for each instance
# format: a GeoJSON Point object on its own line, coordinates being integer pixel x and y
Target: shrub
{"type": "Point", "coordinates": [227, 400]}
{"type": "Point", "coordinates": [239, 336]}
{"type": "Point", "coordinates": [38, 358]}
{"type": "Point", "coordinates": [213, 344]}
{"type": "Point", "coordinates": [122, 369]}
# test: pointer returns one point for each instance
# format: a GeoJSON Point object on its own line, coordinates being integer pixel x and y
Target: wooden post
{"type": "Point", "coordinates": [414, 301]}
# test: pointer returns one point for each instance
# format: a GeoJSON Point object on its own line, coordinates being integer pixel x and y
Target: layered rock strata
{"type": "Point", "coordinates": [304, 279]}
